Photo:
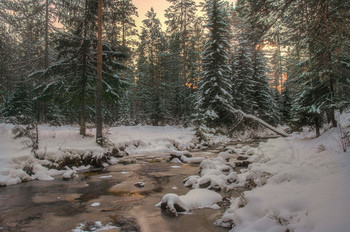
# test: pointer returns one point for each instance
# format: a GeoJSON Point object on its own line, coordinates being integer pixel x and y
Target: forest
{"type": "Point", "coordinates": [110, 123]}
{"type": "Point", "coordinates": [285, 62]}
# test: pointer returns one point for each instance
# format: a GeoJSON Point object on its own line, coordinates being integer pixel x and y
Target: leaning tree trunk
{"type": "Point", "coordinates": [258, 120]}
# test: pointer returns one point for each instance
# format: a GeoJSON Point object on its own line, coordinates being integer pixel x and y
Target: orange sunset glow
{"type": "Point", "coordinates": [159, 7]}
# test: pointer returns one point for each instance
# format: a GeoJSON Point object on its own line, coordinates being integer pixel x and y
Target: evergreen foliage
{"type": "Point", "coordinates": [152, 84]}
{"type": "Point", "coordinates": [251, 90]}
{"type": "Point", "coordinates": [200, 69]}
{"type": "Point", "coordinates": [181, 30]}
{"type": "Point", "coordinates": [215, 85]}
{"type": "Point", "coordinates": [19, 106]}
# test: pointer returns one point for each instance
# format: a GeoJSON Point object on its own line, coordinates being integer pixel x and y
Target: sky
{"type": "Point", "coordinates": [159, 7]}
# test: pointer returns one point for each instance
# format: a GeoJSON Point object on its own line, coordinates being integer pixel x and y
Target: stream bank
{"type": "Point", "coordinates": [110, 198]}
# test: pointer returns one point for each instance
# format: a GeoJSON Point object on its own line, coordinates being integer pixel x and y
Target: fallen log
{"type": "Point", "coordinates": [258, 120]}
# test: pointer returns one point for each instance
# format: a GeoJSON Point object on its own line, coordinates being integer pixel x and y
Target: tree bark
{"type": "Point", "coordinates": [99, 78]}
{"type": "Point", "coordinates": [84, 76]}
{"type": "Point", "coordinates": [328, 61]}
{"type": "Point", "coordinates": [46, 35]}
{"type": "Point", "coordinates": [317, 126]}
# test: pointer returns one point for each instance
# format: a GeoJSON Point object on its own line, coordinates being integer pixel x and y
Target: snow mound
{"type": "Point", "coordinates": [200, 198]}
{"type": "Point", "coordinates": [194, 199]}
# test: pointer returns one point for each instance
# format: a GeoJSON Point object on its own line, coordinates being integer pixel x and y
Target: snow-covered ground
{"type": "Point", "coordinates": [303, 185]}
{"type": "Point", "coordinates": [59, 143]}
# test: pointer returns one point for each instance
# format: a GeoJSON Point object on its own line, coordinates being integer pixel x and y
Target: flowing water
{"type": "Point", "coordinates": [60, 205]}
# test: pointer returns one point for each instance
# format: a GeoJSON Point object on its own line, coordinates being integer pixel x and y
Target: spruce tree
{"type": "Point", "coordinates": [215, 85]}
{"type": "Point", "coordinates": [322, 55]}
{"type": "Point", "coordinates": [267, 108]}
{"type": "Point", "coordinates": [243, 66]}
{"type": "Point", "coordinates": [19, 105]}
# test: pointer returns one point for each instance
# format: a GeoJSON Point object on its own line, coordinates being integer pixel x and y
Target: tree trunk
{"type": "Point", "coordinates": [84, 77]}
{"type": "Point", "coordinates": [83, 103]}
{"type": "Point", "coordinates": [328, 63]}
{"type": "Point", "coordinates": [47, 35]}
{"type": "Point", "coordinates": [317, 126]}
{"type": "Point", "coordinates": [99, 78]}
{"type": "Point", "coordinates": [258, 120]}
{"type": "Point", "coordinates": [47, 59]}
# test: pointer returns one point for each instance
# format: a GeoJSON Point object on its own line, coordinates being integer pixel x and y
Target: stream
{"type": "Point", "coordinates": [109, 198]}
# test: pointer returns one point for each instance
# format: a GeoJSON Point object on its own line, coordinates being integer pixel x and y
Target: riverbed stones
{"type": "Point", "coordinates": [242, 164]}
{"type": "Point", "coordinates": [127, 161]}
{"type": "Point", "coordinates": [140, 184]}
{"type": "Point", "coordinates": [241, 157]}
{"type": "Point", "coordinates": [175, 161]}
{"type": "Point", "coordinates": [127, 224]}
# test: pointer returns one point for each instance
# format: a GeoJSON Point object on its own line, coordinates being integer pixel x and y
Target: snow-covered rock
{"type": "Point", "coordinates": [194, 199]}
{"type": "Point", "coordinates": [172, 203]}
{"type": "Point", "coordinates": [175, 161]}
{"type": "Point", "coordinates": [227, 155]}
{"type": "Point", "coordinates": [140, 184]}
{"type": "Point", "coordinates": [95, 204]}
{"type": "Point", "coordinates": [69, 174]}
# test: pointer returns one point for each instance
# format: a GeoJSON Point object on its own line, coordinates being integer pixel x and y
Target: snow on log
{"type": "Point", "coordinates": [258, 120]}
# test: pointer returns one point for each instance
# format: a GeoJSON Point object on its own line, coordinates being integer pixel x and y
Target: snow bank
{"type": "Point", "coordinates": [60, 144]}
{"type": "Point", "coordinates": [308, 189]}
{"type": "Point", "coordinates": [17, 161]}
{"type": "Point", "coordinates": [151, 139]}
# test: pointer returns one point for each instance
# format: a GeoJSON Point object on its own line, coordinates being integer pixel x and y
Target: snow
{"type": "Point", "coordinates": [176, 161]}
{"type": "Point", "coordinates": [194, 199]}
{"type": "Point", "coordinates": [59, 143]}
{"type": "Point", "coordinates": [140, 184]}
{"type": "Point", "coordinates": [175, 166]}
{"type": "Point", "coordinates": [303, 185]}
{"type": "Point", "coordinates": [192, 160]}
{"type": "Point", "coordinates": [200, 198]}
{"type": "Point", "coordinates": [215, 206]}
{"type": "Point", "coordinates": [105, 177]}
{"type": "Point", "coordinates": [151, 139]}
{"type": "Point", "coordinates": [69, 174]}
{"type": "Point", "coordinates": [98, 226]}
{"type": "Point", "coordinates": [95, 204]}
